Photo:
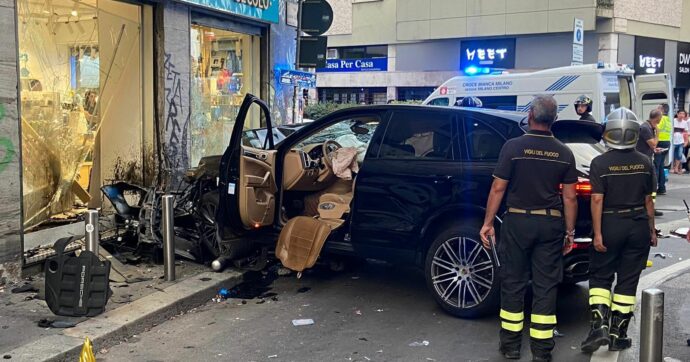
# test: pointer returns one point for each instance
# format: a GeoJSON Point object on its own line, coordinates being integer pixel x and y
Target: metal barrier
{"type": "Point", "coordinates": [168, 230]}
{"type": "Point", "coordinates": [91, 228]}
{"type": "Point", "coordinates": [652, 326]}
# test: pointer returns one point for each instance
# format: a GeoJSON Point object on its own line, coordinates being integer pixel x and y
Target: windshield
{"type": "Point", "coordinates": [257, 137]}
{"type": "Point", "coordinates": [585, 152]}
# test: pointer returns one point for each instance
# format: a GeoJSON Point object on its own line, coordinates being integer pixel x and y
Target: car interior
{"type": "Point", "coordinates": [320, 170]}
{"type": "Point", "coordinates": [318, 184]}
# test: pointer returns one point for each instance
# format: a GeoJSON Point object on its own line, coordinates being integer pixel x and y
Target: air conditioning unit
{"type": "Point", "coordinates": [332, 54]}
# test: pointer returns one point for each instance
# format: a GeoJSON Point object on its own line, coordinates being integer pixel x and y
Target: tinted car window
{"type": "Point", "coordinates": [483, 142]}
{"type": "Point", "coordinates": [439, 102]}
{"type": "Point", "coordinates": [416, 135]}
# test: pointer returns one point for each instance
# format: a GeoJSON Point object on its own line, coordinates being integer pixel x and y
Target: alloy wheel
{"type": "Point", "coordinates": [462, 272]}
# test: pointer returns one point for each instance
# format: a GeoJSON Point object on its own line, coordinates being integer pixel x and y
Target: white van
{"type": "Point", "coordinates": [609, 86]}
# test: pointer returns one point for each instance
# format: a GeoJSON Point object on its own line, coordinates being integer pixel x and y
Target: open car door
{"type": "Point", "coordinates": [247, 177]}
{"type": "Point", "coordinates": [652, 90]}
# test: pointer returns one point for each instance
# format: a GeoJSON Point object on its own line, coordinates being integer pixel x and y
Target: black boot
{"type": "Point", "coordinates": [509, 352]}
{"type": "Point", "coordinates": [599, 333]}
{"type": "Point", "coordinates": [619, 331]}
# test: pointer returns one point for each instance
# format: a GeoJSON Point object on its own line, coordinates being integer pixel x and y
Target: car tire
{"type": "Point", "coordinates": [231, 248]}
{"type": "Point", "coordinates": [465, 285]}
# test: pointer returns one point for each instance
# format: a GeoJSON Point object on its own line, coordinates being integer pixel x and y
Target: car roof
{"type": "Point", "coordinates": [513, 116]}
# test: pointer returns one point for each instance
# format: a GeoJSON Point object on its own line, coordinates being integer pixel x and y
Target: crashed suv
{"type": "Point", "coordinates": [413, 190]}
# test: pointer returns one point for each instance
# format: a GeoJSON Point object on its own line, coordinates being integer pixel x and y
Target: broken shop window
{"type": "Point", "coordinates": [80, 86]}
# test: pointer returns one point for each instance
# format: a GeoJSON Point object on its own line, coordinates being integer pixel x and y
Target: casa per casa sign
{"type": "Point", "coordinates": [355, 65]}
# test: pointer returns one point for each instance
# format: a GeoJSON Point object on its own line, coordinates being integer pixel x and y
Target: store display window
{"type": "Point", "coordinates": [79, 62]}
{"type": "Point", "coordinates": [225, 67]}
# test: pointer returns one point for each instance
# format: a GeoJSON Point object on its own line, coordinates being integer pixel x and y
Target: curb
{"type": "Point", "coordinates": [650, 280]}
{"type": "Point", "coordinates": [108, 328]}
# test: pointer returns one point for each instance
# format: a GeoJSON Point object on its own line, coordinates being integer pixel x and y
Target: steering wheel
{"type": "Point", "coordinates": [328, 148]}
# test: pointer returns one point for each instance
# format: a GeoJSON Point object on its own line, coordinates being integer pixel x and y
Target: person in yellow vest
{"type": "Point", "coordinates": [665, 129]}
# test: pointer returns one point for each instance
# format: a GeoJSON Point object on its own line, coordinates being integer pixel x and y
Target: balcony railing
{"type": "Point", "coordinates": [605, 4]}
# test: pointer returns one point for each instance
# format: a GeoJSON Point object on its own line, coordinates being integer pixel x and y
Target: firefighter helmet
{"type": "Point", "coordinates": [622, 129]}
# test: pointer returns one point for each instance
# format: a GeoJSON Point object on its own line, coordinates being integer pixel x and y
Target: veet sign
{"type": "Point", "coordinates": [649, 55]}
{"type": "Point", "coordinates": [490, 53]}
{"type": "Point", "coordinates": [266, 10]}
{"type": "Point", "coordinates": [355, 65]}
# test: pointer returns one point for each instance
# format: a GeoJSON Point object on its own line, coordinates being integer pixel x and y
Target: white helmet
{"type": "Point", "coordinates": [622, 129]}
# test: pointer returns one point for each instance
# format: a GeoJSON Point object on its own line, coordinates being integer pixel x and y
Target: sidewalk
{"type": "Point", "coordinates": [133, 308]}
{"type": "Point", "coordinates": [674, 281]}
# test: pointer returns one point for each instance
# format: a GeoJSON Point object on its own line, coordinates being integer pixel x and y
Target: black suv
{"type": "Point", "coordinates": [418, 197]}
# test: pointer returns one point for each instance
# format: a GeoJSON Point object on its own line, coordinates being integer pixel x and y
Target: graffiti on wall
{"type": "Point", "coordinates": [7, 150]}
{"type": "Point", "coordinates": [176, 123]}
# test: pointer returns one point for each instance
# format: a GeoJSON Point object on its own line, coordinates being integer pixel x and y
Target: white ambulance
{"type": "Point", "coordinates": [609, 86]}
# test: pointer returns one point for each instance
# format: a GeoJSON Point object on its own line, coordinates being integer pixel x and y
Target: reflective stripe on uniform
{"type": "Point", "coordinates": [539, 334]}
{"type": "Point", "coordinates": [543, 319]}
{"type": "Point", "coordinates": [599, 300]}
{"type": "Point", "coordinates": [513, 327]}
{"type": "Point", "coordinates": [513, 317]}
{"type": "Point", "coordinates": [625, 309]}
{"type": "Point", "coordinates": [625, 299]}
{"type": "Point", "coordinates": [600, 292]}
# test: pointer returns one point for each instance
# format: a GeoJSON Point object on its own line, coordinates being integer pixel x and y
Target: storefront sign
{"type": "Point", "coordinates": [355, 65]}
{"type": "Point", "coordinates": [295, 77]}
{"type": "Point", "coordinates": [649, 55]}
{"type": "Point", "coordinates": [492, 53]}
{"type": "Point", "coordinates": [683, 71]}
{"type": "Point", "coordinates": [266, 10]}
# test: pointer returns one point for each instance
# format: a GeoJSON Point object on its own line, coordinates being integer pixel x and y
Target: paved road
{"type": "Point", "coordinates": [371, 313]}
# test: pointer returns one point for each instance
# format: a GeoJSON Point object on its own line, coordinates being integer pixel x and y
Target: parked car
{"type": "Point", "coordinates": [419, 196]}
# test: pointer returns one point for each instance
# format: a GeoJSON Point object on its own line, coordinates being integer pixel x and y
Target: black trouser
{"type": "Point", "coordinates": [627, 239]}
{"type": "Point", "coordinates": [530, 244]}
{"type": "Point", "coordinates": [659, 159]}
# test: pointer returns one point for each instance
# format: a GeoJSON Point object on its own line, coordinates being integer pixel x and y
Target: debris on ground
{"type": "Point", "coordinates": [303, 290]}
{"type": "Point", "coordinates": [49, 323]}
{"type": "Point", "coordinates": [273, 356]}
{"type": "Point", "coordinates": [419, 344]}
{"type": "Point", "coordinates": [649, 264]}
{"type": "Point", "coordinates": [283, 271]}
{"type": "Point", "coordinates": [26, 288]}
{"type": "Point", "coordinates": [358, 312]}
{"type": "Point", "coordinates": [379, 310]}
{"type": "Point", "coordinates": [663, 255]}
{"type": "Point", "coordinates": [558, 333]}
{"type": "Point", "coordinates": [364, 339]}
{"type": "Point", "coordinates": [302, 322]}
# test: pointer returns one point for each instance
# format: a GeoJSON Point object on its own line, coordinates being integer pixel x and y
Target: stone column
{"type": "Point", "coordinates": [173, 83]}
{"type": "Point", "coordinates": [10, 148]}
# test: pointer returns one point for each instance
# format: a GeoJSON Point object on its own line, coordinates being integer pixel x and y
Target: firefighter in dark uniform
{"type": "Point", "coordinates": [623, 221]}
{"type": "Point", "coordinates": [537, 230]}
{"type": "Point", "coordinates": [583, 108]}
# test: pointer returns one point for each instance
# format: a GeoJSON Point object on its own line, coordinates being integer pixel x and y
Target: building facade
{"type": "Point", "coordinates": [100, 91]}
{"type": "Point", "coordinates": [407, 48]}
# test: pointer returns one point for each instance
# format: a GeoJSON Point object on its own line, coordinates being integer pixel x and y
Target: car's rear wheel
{"type": "Point", "coordinates": [461, 274]}
{"type": "Point", "coordinates": [231, 248]}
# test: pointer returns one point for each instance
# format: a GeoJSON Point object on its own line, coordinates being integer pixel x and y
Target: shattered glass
{"type": "Point", "coordinates": [72, 54]}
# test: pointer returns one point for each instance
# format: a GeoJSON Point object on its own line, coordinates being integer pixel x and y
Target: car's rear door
{"type": "Point", "coordinates": [247, 176]}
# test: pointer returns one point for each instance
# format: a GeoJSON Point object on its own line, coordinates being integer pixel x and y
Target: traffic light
{"type": "Point", "coordinates": [315, 19]}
